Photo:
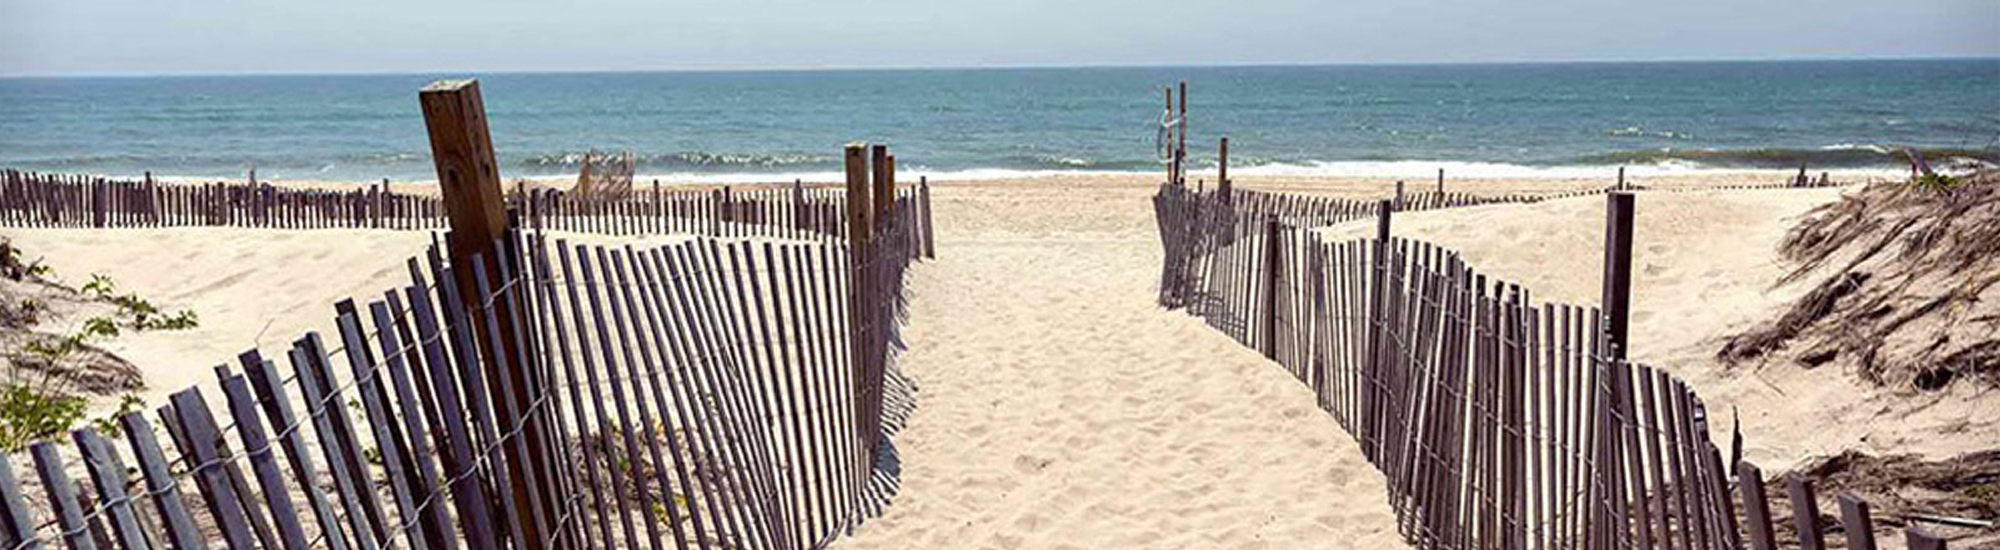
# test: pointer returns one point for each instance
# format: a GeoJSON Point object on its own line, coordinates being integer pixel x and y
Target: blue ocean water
{"type": "Point", "coordinates": [752, 125]}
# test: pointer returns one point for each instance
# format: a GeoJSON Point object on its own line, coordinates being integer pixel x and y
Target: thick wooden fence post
{"type": "Point", "coordinates": [1756, 508]}
{"type": "Point", "coordinates": [1272, 256]}
{"type": "Point", "coordinates": [1618, 272]}
{"type": "Point", "coordinates": [883, 194]}
{"type": "Point", "coordinates": [1173, 162]}
{"type": "Point", "coordinates": [859, 231]}
{"type": "Point", "coordinates": [930, 233]}
{"type": "Point", "coordinates": [1180, 149]}
{"type": "Point", "coordinates": [1856, 521]}
{"type": "Point", "coordinates": [1440, 181]}
{"type": "Point", "coordinates": [1377, 295]}
{"type": "Point", "coordinates": [1805, 512]}
{"type": "Point", "coordinates": [469, 180]}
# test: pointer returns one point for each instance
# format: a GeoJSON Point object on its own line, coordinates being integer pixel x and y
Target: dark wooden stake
{"type": "Point", "coordinates": [1272, 256]}
{"type": "Point", "coordinates": [1756, 508]}
{"type": "Point", "coordinates": [1180, 150]}
{"type": "Point", "coordinates": [469, 179]}
{"type": "Point", "coordinates": [1618, 272]}
{"type": "Point", "coordinates": [1377, 295]}
{"type": "Point", "coordinates": [1173, 161]}
{"type": "Point", "coordinates": [1805, 511]}
{"type": "Point", "coordinates": [1855, 520]}
{"type": "Point", "coordinates": [883, 197]}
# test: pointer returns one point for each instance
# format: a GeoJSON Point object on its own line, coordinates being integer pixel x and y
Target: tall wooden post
{"type": "Point", "coordinates": [1180, 150]}
{"type": "Point", "coordinates": [1857, 522]}
{"type": "Point", "coordinates": [1440, 181]}
{"type": "Point", "coordinates": [860, 227]}
{"type": "Point", "coordinates": [1399, 194]}
{"type": "Point", "coordinates": [883, 194]}
{"type": "Point", "coordinates": [1805, 512]}
{"type": "Point", "coordinates": [1173, 161]}
{"type": "Point", "coordinates": [859, 207]}
{"type": "Point", "coordinates": [1377, 296]}
{"type": "Point", "coordinates": [924, 202]}
{"type": "Point", "coordinates": [1273, 256]}
{"type": "Point", "coordinates": [1756, 507]}
{"type": "Point", "coordinates": [469, 180]}
{"type": "Point", "coordinates": [1618, 272]}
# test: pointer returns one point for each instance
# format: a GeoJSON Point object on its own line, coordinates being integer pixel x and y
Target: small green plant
{"type": "Point", "coordinates": [35, 399]}
{"type": "Point", "coordinates": [1935, 182]}
{"type": "Point", "coordinates": [29, 414]}
{"type": "Point", "coordinates": [143, 314]}
{"type": "Point", "coordinates": [99, 286]}
{"type": "Point", "coordinates": [108, 425]}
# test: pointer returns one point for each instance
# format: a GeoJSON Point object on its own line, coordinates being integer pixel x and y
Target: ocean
{"type": "Point", "coordinates": [1493, 120]}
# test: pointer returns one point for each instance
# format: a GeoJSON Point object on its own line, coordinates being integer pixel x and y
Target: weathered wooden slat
{"type": "Point", "coordinates": [1856, 522]}
{"type": "Point", "coordinates": [325, 409]}
{"type": "Point", "coordinates": [383, 427]}
{"type": "Point", "coordinates": [624, 421]}
{"type": "Point", "coordinates": [75, 529]}
{"type": "Point", "coordinates": [257, 446]}
{"type": "Point", "coordinates": [434, 520]}
{"type": "Point", "coordinates": [626, 318]}
{"type": "Point", "coordinates": [160, 483]}
{"type": "Point", "coordinates": [17, 528]}
{"type": "Point", "coordinates": [461, 461]}
{"type": "Point", "coordinates": [205, 461]}
{"type": "Point", "coordinates": [1805, 511]}
{"type": "Point", "coordinates": [553, 326]}
{"type": "Point", "coordinates": [727, 423]}
{"type": "Point", "coordinates": [271, 395]}
{"type": "Point", "coordinates": [1756, 509]}
{"type": "Point", "coordinates": [521, 435]}
{"type": "Point", "coordinates": [670, 338]}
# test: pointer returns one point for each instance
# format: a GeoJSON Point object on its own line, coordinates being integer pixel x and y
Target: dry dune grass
{"type": "Point", "coordinates": [1908, 289]}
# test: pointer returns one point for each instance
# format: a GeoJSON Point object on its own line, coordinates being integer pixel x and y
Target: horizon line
{"type": "Point", "coordinates": [998, 67]}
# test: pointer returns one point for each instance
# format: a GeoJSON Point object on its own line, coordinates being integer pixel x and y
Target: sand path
{"type": "Point", "coordinates": [1060, 408]}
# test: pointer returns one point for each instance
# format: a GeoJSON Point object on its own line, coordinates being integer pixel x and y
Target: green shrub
{"type": "Point", "coordinates": [29, 414]}
{"type": "Point", "coordinates": [35, 400]}
{"type": "Point", "coordinates": [143, 314]}
{"type": "Point", "coordinates": [1935, 182]}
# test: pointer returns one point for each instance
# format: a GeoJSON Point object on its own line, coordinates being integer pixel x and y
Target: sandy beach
{"type": "Point", "coordinates": [1059, 407]}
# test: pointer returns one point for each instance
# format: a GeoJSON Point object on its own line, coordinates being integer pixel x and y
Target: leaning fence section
{"type": "Point", "coordinates": [707, 393]}
{"type": "Point", "coordinates": [1499, 421]}
{"type": "Point", "coordinates": [797, 211]}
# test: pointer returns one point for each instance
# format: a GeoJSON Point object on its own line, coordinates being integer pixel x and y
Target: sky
{"type": "Point", "coordinates": [125, 37]}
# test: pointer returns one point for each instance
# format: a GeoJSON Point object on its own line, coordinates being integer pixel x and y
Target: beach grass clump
{"type": "Point", "coordinates": [50, 378]}
{"type": "Point", "coordinates": [1908, 289]}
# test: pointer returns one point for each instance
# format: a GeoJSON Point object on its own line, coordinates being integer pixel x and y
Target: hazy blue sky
{"type": "Point", "coordinates": [232, 36]}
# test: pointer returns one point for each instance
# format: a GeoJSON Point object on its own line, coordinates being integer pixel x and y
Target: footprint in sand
{"type": "Point", "coordinates": [1029, 464]}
